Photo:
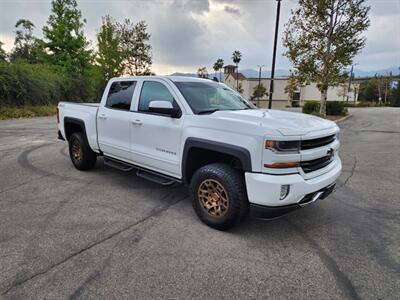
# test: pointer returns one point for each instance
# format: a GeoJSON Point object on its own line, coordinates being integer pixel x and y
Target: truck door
{"type": "Point", "coordinates": [114, 120]}
{"type": "Point", "coordinates": [156, 138]}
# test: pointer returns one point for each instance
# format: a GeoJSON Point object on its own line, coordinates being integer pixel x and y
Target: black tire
{"type": "Point", "coordinates": [222, 179]}
{"type": "Point", "coordinates": [86, 158]}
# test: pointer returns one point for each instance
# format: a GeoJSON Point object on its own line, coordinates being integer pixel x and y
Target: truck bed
{"type": "Point", "coordinates": [85, 112]}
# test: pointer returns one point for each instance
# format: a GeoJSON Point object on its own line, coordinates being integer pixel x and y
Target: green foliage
{"type": "Point", "coordinates": [336, 108]}
{"type": "Point", "coordinates": [22, 83]}
{"type": "Point", "coordinates": [109, 56]}
{"type": "Point", "coordinates": [291, 86]}
{"type": "Point", "coordinates": [135, 47]}
{"type": "Point", "coordinates": [3, 54]}
{"type": "Point", "coordinates": [368, 91]}
{"type": "Point", "coordinates": [65, 44]}
{"type": "Point", "coordinates": [236, 57]}
{"type": "Point", "coordinates": [322, 37]}
{"type": "Point", "coordinates": [27, 111]}
{"type": "Point", "coordinates": [218, 65]}
{"type": "Point", "coordinates": [24, 41]}
{"type": "Point", "coordinates": [310, 107]}
{"type": "Point", "coordinates": [395, 96]}
{"type": "Point", "coordinates": [333, 108]}
{"type": "Point", "coordinates": [202, 72]}
{"type": "Point", "coordinates": [240, 88]}
{"type": "Point", "coordinates": [259, 92]}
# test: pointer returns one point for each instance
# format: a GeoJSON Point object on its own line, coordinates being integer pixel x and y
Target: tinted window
{"type": "Point", "coordinates": [120, 94]}
{"type": "Point", "coordinates": [153, 91]}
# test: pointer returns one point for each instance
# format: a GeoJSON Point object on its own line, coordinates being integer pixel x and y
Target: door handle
{"type": "Point", "coordinates": [137, 123]}
{"type": "Point", "coordinates": [102, 116]}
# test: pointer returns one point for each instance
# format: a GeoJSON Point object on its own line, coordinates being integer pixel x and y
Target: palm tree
{"type": "Point", "coordinates": [220, 63]}
{"type": "Point", "coordinates": [237, 57]}
{"type": "Point", "coordinates": [216, 68]}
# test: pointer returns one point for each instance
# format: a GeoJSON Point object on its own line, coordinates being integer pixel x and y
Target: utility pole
{"type": "Point", "coordinates": [259, 82]}
{"type": "Point", "coordinates": [259, 74]}
{"type": "Point", "coordinates": [271, 87]}
{"type": "Point", "coordinates": [349, 88]}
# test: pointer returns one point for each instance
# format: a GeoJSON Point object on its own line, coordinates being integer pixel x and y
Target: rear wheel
{"type": "Point", "coordinates": [82, 156]}
{"type": "Point", "coordinates": [219, 196]}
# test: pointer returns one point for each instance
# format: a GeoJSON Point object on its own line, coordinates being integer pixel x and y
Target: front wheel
{"type": "Point", "coordinates": [82, 156]}
{"type": "Point", "coordinates": [219, 196]}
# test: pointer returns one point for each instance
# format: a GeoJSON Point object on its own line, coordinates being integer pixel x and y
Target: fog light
{"type": "Point", "coordinates": [284, 191]}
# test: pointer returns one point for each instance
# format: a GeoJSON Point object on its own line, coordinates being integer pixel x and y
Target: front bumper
{"type": "Point", "coordinates": [270, 212]}
{"type": "Point", "coordinates": [264, 189]}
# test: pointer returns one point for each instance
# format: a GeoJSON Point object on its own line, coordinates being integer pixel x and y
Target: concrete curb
{"type": "Point", "coordinates": [344, 118]}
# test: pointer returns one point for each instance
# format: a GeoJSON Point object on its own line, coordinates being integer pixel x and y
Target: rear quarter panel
{"type": "Point", "coordinates": [87, 113]}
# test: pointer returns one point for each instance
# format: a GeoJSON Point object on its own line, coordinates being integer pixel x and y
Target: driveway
{"type": "Point", "coordinates": [67, 234]}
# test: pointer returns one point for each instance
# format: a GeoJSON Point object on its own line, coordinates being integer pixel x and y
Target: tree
{"type": "Point", "coordinates": [322, 37]}
{"type": "Point", "coordinates": [109, 56]}
{"type": "Point", "coordinates": [218, 65]}
{"type": "Point", "coordinates": [259, 92]}
{"type": "Point", "coordinates": [65, 44]}
{"type": "Point", "coordinates": [236, 58]}
{"type": "Point", "coordinates": [24, 41]}
{"type": "Point", "coordinates": [216, 68]}
{"type": "Point", "coordinates": [3, 54]}
{"type": "Point", "coordinates": [368, 90]}
{"type": "Point", "coordinates": [202, 72]}
{"type": "Point", "coordinates": [135, 47]}
{"type": "Point", "coordinates": [395, 95]}
{"type": "Point", "coordinates": [291, 86]}
{"type": "Point", "coordinates": [240, 88]}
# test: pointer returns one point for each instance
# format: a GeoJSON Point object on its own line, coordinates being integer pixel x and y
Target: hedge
{"type": "Point", "coordinates": [333, 108]}
{"type": "Point", "coordinates": [23, 84]}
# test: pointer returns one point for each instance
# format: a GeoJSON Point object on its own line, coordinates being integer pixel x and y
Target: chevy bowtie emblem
{"type": "Point", "coordinates": [330, 152]}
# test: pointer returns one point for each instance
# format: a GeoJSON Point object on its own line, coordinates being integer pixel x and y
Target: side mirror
{"type": "Point", "coordinates": [165, 108]}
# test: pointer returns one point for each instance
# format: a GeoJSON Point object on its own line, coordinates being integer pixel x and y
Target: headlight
{"type": "Point", "coordinates": [283, 146]}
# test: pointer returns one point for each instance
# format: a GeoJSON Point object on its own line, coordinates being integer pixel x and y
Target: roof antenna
{"type": "Point", "coordinates": [215, 79]}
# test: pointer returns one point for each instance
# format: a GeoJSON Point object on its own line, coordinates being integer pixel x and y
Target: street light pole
{"type": "Point", "coordinates": [259, 82]}
{"type": "Point", "coordinates": [259, 74]}
{"type": "Point", "coordinates": [271, 87]}
{"type": "Point", "coordinates": [349, 88]}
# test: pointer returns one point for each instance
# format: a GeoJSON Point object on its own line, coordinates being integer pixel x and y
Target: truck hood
{"type": "Point", "coordinates": [287, 123]}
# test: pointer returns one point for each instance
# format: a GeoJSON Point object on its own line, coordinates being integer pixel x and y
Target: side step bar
{"type": "Point", "coordinates": [117, 164]}
{"type": "Point", "coordinates": [140, 172]}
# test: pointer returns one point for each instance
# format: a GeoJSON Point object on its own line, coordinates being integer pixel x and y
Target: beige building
{"type": "Point", "coordinates": [282, 99]}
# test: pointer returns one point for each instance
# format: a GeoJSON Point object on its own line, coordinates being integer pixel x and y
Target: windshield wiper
{"type": "Point", "coordinates": [208, 111]}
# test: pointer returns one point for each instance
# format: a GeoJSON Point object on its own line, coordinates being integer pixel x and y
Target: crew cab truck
{"type": "Point", "coordinates": [235, 157]}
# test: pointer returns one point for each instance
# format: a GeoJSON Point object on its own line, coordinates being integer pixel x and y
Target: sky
{"type": "Point", "coordinates": [188, 34]}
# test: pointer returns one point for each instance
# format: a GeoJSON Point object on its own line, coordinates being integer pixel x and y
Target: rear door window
{"type": "Point", "coordinates": [120, 95]}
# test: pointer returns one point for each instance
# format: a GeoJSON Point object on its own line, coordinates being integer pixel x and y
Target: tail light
{"type": "Point", "coordinates": [58, 115]}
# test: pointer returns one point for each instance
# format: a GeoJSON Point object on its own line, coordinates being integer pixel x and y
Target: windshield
{"type": "Point", "coordinates": [204, 97]}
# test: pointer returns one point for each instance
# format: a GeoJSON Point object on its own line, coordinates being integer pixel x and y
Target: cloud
{"type": "Point", "coordinates": [187, 34]}
{"type": "Point", "coordinates": [232, 10]}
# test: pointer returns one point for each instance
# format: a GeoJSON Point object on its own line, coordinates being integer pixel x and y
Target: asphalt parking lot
{"type": "Point", "coordinates": [67, 234]}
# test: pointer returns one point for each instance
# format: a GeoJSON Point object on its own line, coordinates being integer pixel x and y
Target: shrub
{"type": "Point", "coordinates": [333, 108]}
{"type": "Point", "coordinates": [27, 111]}
{"type": "Point", "coordinates": [22, 84]}
{"type": "Point", "coordinates": [310, 106]}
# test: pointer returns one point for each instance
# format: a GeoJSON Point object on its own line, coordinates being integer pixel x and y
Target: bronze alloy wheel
{"type": "Point", "coordinates": [76, 151]}
{"type": "Point", "coordinates": [213, 198]}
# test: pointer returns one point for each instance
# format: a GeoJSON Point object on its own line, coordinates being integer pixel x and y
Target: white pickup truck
{"type": "Point", "coordinates": [235, 158]}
